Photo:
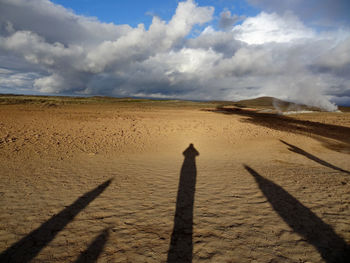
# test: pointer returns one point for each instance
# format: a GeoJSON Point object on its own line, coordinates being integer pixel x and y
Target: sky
{"type": "Point", "coordinates": [297, 50]}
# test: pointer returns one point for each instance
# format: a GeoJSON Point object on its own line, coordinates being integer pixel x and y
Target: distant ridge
{"type": "Point", "coordinates": [263, 102]}
{"type": "Point", "coordinates": [273, 103]}
{"type": "Point", "coordinates": [267, 103]}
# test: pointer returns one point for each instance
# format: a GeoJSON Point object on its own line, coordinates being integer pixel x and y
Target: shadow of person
{"type": "Point", "coordinates": [91, 254]}
{"type": "Point", "coordinates": [297, 150]}
{"type": "Point", "coordinates": [303, 221]}
{"type": "Point", "coordinates": [181, 245]}
{"type": "Point", "coordinates": [29, 246]}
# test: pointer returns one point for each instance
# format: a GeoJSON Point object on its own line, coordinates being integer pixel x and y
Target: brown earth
{"type": "Point", "coordinates": [264, 188]}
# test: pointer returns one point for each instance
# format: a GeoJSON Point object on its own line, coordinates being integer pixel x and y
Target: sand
{"type": "Point", "coordinates": [102, 182]}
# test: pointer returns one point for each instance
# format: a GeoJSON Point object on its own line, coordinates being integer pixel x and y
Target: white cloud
{"type": "Point", "coordinates": [268, 54]}
{"type": "Point", "coordinates": [338, 56]}
{"type": "Point", "coordinates": [36, 50]}
{"type": "Point", "coordinates": [266, 28]}
{"type": "Point", "coordinates": [10, 79]}
{"type": "Point", "coordinates": [56, 23]}
{"type": "Point", "coordinates": [50, 84]}
{"type": "Point", "coordinates": [139, 44]}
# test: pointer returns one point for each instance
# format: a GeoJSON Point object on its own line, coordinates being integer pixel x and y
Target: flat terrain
{"type": "Point", "coordinates": [119, 182]}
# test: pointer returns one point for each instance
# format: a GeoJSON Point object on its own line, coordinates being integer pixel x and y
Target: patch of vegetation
{"type": "Point", "coordinates": [55, 101]}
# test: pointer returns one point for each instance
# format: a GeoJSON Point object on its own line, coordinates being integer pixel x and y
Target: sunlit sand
{"type": "Point", "coordinates": [151, 181]}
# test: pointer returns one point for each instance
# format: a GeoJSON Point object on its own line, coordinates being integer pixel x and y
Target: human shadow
{"type": "Point", "coordinates": [338, 134]}
{"type": "Point", "coordinates": [303, 221]}
{"type": "Point", "coordinates": [91, 254]}
{"type": "Point", "coordinates": [298, 150]}
{"type": "Point", "coordinates": [181, 245]}
{"type": "Point", "coordinates": [28, 247]}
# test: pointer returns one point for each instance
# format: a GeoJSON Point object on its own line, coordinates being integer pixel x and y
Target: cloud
{"type": "Point", "coordinates": [227, 20]}
{"type": "Point", "coordinates": [10, 79]}
{"type": "Point", "coordinates": [320, 12]}
{"type": "Point", "coordinates": [272, 28]}
{"type": "Point", "coordinates": [56, 23]}
{"type": "Point", "coordinates": [269, 54]}
{"type": "Point", "coordinates": [338, 57]}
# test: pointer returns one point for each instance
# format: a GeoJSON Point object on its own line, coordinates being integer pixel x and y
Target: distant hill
{"type": "Point", "coordinates": [272, 103]}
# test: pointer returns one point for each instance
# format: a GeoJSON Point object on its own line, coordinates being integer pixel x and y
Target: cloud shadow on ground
{"type": "Point", "coordinates": [334, 137]}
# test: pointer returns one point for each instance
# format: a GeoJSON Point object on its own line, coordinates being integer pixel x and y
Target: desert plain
{"type": "Point", "coordinates": [119, 181]}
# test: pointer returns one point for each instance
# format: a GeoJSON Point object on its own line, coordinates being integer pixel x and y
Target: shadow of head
{"type": "Point", "coordinates": [190, 152]}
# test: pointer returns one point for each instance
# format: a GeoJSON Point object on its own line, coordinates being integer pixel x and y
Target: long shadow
{"type": "Point", "coordinates": [181, 246]}
{"type": "Point", "coordinates": [289, 124]}
{"type": "Point", "coordinates": [29, 246]}
{"type": "Point", "coordinates": [295, 149]}
{"type": "Point", "coordinates": [303, 221]}
{"type": "Point", "coordinates": [91, 254]}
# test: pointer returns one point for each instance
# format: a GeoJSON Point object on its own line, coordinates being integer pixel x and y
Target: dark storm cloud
{"type": "Point", "coordinates": [227, 20]}
{"type": "Point", "coordinates": [321, 12]}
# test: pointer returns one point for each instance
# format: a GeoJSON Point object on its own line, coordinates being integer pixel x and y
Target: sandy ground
{"type": "Point", "coordinates": [109, 183]}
